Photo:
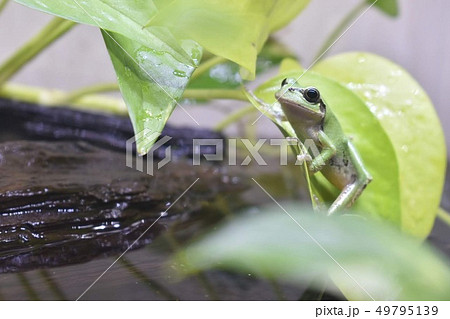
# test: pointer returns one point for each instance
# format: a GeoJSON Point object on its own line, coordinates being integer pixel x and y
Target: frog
{"type": "Point", "coordinates": [338, 159]}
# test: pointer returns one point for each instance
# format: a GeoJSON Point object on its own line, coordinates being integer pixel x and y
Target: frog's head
{"type": "Point", "coordinates": [300, 103]}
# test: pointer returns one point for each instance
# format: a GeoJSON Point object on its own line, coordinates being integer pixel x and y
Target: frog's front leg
{"type": "Point", "coordinates": [352, 191]}
{"type": "Point", "coordinates": [328, 151]}
{"type": "Point", "coordinates": [264, 107]}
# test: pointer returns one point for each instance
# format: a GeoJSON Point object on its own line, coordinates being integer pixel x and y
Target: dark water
{"type": "Point", "coordinates": [69, 208]}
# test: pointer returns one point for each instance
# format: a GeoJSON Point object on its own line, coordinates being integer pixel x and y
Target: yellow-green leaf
{"type": "Point", "coordinates": [234, 29]}
{"type": "Point", "coordinates": [382, 196]}
{"type": "Point", "coordinates": [408, 117]}
{"type": "Point", "coordinates": [226, 75]}
{"type": "Point", "coordinates": [285, 11]}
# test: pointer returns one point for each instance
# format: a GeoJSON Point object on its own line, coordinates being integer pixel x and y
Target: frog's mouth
{"type": "Point", "coordinates": [298, 106]}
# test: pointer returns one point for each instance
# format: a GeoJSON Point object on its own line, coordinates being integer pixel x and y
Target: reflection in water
{"type": "Point", "coordinates": [69, 208]}
{"type": "Point", "coordinates": [65, 204]}
{"type": "Point", "coordinates": [68, 202]}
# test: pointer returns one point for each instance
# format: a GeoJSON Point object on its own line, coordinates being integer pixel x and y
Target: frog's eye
{"type": "Point", "coordinates": [284, 82]}
{"type": "Point", "coordinates": [311, 95]}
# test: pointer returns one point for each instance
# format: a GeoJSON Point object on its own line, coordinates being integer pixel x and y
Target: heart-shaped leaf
{"type": "Point", "coordinates": [408, 117]}
{"type": "Point", "coordinates": [370, 259]}
{"type": "Point", "coordinates": [150, 83]}
{"type": "Point", "coordinates": [382, 196]}
{"type": "Point", "coordinates": [385, 104]}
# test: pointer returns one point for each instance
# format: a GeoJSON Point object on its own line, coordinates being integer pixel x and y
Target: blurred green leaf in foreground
{"type": "Point", "coordinates": [368, 260]}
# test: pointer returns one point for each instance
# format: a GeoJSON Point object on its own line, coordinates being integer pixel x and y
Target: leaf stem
{"type": "Point", "coordinates": [93, 89]}
{"type": "Point", "coordinates": [444, 216]}
{"type": "Point", "coordinates": [201, 94]}
{"type": "Point", "coordinates": [177, 249]}
{"type": "Point", "coordinates": [3, 4]}
{"type": "Point", "coordinates": [340, 29]}
{"type": "Point", "coordinates": [208, 94]}
{"type": "Point", "coordinates": [315, 291]}
{"type": "Point", "coordinates": [250, 130]}
{"type": "Point", "coordinates": [51, 283]}
{"type": "Point", "coordinates": [48, 97]}
{"type": "Point", "coordinates": [52, 31]}
{"type": "Point", "coordinates": [205, 66]}
{"type": "Point", "coordinates": [234, 117]}
{"type": "Point", "coordinates": [142, 277]}
{"type": "Point", "coordinates": [86, 99]}
{"type": "Point", "coordinates": [28, 287]}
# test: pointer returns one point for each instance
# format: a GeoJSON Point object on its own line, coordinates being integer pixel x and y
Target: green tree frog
{"type": "Point", "coordinates": [338, 160]}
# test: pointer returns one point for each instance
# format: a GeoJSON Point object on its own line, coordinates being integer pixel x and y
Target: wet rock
{"type": "Point", "coordinates": [67, 202]}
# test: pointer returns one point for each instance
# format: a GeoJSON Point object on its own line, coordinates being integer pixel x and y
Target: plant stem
{"type": "Point", "coordinates": [57, 291]}
{"type": "Point", "coordinates": [340, 29]}
{"type": "Point", "coordinates": [316, 290]}
{"type": "Point", "coordinates": [200, 94]}
{"type": "Point", "coordinates": [48, 97]}
{"type": "Point", "coordinates": [207, 94]}
{"type": "Point", "coordinates": [52, 31]}
{"type": "Point", "coordinates": [176, 248]}
{"type": "Point", "coordinates": [3, 4]}
{"type": "Point", "coordinates": [205, 66]}
{"type": "Point", "coordinates": [97, 88]}
{"type": "Point", "coordinates": [28, 287]}
{"type": "Point", "coordinates": [233, 117]}
{"type": "Point", "coordinates": [250, 130]}
{"type": "Point", "coordinates": [444, 216]}
{"type": "Point", "coordinates": [154, 286]}
{"type": "Point", "coordinates": [85, 99]}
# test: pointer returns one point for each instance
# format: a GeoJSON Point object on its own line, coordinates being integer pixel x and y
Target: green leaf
{"type": "Point", "coordinates": [221, 76]}
{"type": "Point", "coordinates": [227, 75]}
{"type": "Point", "coordinates": [284, 12]}
{"type": "Point", "coordinates": [150, 83]}
{"type": "Point", "coordinates": [408, 117]}
{"type": "Point", "coordinates": [390, 7]}
{"type": "Point", "coordinates": [369, 259]}
{"type": "Point", "coordinates": [152, 67]}
{"type": "Point", "coordinates": [385, 104]}
{"type": "Point", "coordinates": [290, 65]}
{"type": "Point", "coordinates": [382, 196]}
{"type": "Point", "coordinates": [235, 29]}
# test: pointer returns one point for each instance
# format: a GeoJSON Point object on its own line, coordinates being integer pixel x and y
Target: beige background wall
{"type": "Point", "coordinates": [419, 40]}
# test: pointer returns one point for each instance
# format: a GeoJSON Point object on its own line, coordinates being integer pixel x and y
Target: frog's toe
{"type": "Point", "coordinates": [303, 157]}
